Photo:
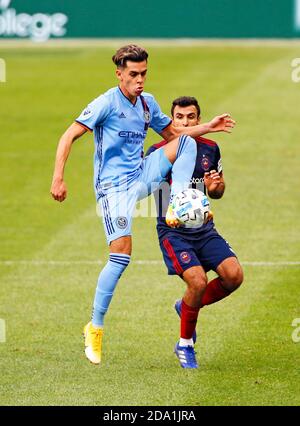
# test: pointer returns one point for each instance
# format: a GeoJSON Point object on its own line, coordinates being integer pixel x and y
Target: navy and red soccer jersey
{"type": "Point", "coordinates": [208, 158]}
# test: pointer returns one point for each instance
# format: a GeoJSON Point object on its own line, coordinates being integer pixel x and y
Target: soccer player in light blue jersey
{"type": "Point", "coordinates": [119, 120]}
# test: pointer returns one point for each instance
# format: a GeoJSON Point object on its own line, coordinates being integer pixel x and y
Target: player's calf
{"type": "Point", "coordinates": [188, 308]}
{"type": "Point", "coordinates": [107, 282]}
{"type": "Point", "coordinates": [229, 279]}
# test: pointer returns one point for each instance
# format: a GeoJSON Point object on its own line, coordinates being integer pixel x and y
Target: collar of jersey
{"type": "Point", "coordinates": [133, 105]}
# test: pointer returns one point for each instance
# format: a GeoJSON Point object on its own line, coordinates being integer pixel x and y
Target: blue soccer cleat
{"type": "Point", "coordinates": [186, 356]}
{"type": "Point", "coordinates": [177, 307]}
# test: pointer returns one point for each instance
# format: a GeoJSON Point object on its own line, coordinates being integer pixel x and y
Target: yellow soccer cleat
{"type": "Point", "coordinates": [171, 220]}
{"type": "Point", "coordinates": [93, 342]}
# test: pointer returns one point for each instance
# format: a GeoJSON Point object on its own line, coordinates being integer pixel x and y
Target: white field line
{"type": "Point", "coordinates": [137, 262]}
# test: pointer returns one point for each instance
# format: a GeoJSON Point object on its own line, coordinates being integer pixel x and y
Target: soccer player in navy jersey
{"type": "Point", "coordinates": [191, 252]}
{"type": "Point", "coordinates": [120, 119]}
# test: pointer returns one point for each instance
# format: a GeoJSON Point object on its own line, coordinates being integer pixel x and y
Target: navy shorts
{"type": "Point", "coordinates": [181, 254]}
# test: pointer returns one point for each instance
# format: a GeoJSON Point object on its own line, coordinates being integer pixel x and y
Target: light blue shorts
{"type": "Point", "coordinates": [116, 204]}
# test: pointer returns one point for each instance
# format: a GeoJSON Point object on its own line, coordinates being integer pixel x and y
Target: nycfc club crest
{"type": "Point", "coordinates": [121, 222]}
{"type": "Point", "coordinates": [185, 257]}
{"type": "Point", "coordinates": [205, 163]}
{"type": "Point", "coordinates": [147, 116]}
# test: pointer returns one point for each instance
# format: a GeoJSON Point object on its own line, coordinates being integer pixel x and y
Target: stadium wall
{"type": "Point", "coordinates": [44, 19]}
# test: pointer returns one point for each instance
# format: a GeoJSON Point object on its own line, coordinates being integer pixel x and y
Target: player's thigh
{"type": "Point", "coordinates": [178, 253]}
{"type": "Point", "coordinates": [213, 250]}
{"type": "Point", "coordinates": [170, 150]}
{"type": "Point", "coordinates": [195, 277]}
{"type": "Point", "coordinates": [116, 210]}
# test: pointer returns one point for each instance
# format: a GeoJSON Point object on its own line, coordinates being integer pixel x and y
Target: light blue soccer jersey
{"type": "Point", "coordinates": [119, 130]}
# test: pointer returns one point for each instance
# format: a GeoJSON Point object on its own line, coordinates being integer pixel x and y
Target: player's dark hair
{"type": "Point", "coordinates": [131, 52]}
{"type": "Point", "coordinates": [185, 101]}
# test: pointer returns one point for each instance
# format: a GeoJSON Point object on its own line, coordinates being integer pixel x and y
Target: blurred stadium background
{"type": "Point", "coordinates": [236, 56]}
{"type": "Point", "coordinates": [200, 18]}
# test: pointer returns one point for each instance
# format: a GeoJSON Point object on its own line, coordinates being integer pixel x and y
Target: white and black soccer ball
{"type": "Point", "coordinates": [191, 207]}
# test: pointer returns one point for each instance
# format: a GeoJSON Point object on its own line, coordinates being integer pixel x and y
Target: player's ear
{"type": "Point", "coordinates": [119, 74]}
{"type": "Point", "coordinates": [199, 119]}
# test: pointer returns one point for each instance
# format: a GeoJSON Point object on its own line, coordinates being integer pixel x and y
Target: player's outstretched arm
{"type": "Point", "coordinates": [220, 123]}
{"type": "Point", "coordinates": [58, 187]}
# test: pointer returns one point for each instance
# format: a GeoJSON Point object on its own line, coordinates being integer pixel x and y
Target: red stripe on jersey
{"type": "Point", "coordinates": [160, 144]}
{"type": "Point", "coordinates": [172, 256]}
{"type": "Point", "coordinates": [209, 142]}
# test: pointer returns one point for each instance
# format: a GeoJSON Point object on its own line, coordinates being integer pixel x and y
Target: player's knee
{"type": "Point", "coordinates": [121, 245]}
{"type": "Point", "coordinates": [233, 278]}
{"type": "Point", "coordinates": [196, 281]}
{"type": "Point", "coordinates": [238, 276]}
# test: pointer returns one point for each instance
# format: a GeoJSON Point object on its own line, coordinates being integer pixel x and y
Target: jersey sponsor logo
{"type": "Point", "coordinates": [147, 116]}
{"type": "Point", "coordinates": [132, 134]}
{"type": "Point", "coordinates": [122, 115]}
{"type": "Point", "coordinates": [121, 222]}
{"type": "Point", "coordinates": [136, 138]}
{"type": "Point", "coordinates": [197, 180]}
{"type": "Point", "coordinates": [205, 162]}
{"type": "Point", "coordinates": [185, 257]}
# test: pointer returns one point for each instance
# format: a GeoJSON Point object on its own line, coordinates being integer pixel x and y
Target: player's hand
{"type": "Point", "coordinates": [212, 180]}
{"type": "Point", "coordinates": [174, 224]}
{"type": "Point", "coordinates": [221, 123]}
{"type": "Point", "coordinates": [209, 217]}
{"type": "Point", "coordinates": [58, 190]}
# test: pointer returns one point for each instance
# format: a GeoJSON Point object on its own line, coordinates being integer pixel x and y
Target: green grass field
{"type": "Point", "coordinates": [48, 250]}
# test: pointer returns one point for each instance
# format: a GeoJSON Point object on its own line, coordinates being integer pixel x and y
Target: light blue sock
{"type": "Point", "coordinates": [184, 165]}
{"type": "Point", "coordinates": [107, 282]}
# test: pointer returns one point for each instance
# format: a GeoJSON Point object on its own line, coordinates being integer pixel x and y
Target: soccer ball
{"type": "Point", "coordinates": [191, 208]}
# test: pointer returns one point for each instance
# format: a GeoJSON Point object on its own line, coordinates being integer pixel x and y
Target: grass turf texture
{"type": "Point", "coordinates": [245, 349]}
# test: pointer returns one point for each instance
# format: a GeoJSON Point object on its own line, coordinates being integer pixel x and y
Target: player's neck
{"type": "Point", "coordinates": [127, 95]}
